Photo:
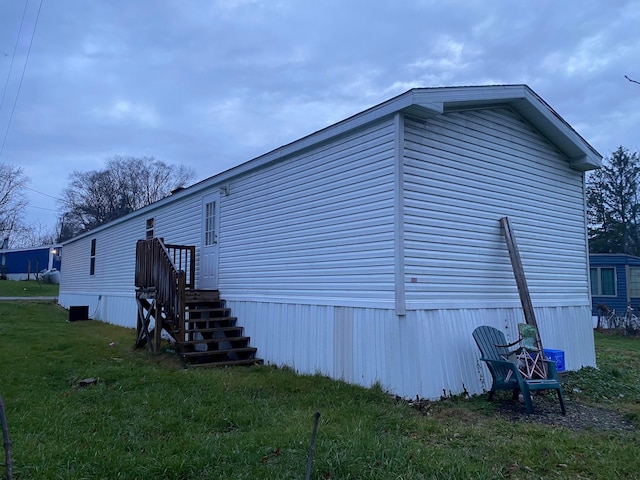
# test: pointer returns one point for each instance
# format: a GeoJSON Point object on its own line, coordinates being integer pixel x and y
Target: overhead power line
{"type": "Point", "coordinates": [42, 208]}
{"type": "Point", "coordinates": [13, 57]}
{"type": "Point", "coordinates": [26, 61]}
{"type": "Point", "coordinates": [45, 194]}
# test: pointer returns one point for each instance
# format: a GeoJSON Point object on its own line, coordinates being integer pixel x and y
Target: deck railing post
{"type": "Point", "coordinates": [170, 269]}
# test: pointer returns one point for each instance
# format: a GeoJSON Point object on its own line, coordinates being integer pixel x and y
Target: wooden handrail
{"type": "Point", "coordinates": [183, 258]}
{"type": "Point", "coordinates": [169, 270]}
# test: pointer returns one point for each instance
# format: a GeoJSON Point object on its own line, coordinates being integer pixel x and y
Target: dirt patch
{"type": "Point", "coordinates": [546, 412]}
{"type": "Point", "coordinates": [578, 417]}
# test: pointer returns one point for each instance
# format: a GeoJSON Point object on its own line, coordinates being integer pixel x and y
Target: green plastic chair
{"type": "Point", "coordinates": [505, 372]}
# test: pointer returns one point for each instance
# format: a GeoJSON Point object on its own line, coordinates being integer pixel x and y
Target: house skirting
{"type": "Point", "coordinates": [427, 353]}
{"type": "Point", "coordinates": [116, 308]}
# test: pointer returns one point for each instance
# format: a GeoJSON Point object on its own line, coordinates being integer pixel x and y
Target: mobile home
{"type": "Point", "coordinates": [370, 250]}
{"type": "Point", "coordinates": [25, 263]}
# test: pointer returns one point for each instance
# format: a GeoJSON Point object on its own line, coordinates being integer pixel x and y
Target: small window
{"type": "Point", "coordinates": [210, 237]}
{"type": "Point", "coordinates": [634, 282]}
{"type": "Point", "coordinates": [92, 264]}
{"type": "Point", "coordinates": [603, 281]}
{"type": "Point", "coordinates": [149, 227]}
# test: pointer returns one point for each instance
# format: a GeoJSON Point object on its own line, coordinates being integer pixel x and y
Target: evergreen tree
{"type": "Point", "coordinates": [612, 202]}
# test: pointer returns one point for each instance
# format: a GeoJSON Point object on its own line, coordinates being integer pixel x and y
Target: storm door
{"type": "Point", "coordinates": [209, 249]}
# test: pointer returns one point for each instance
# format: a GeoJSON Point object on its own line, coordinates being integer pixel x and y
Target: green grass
{"type": "Point", "coordinates": [146, 417]}
{"type": "Point", "coordinates": [27, 288]}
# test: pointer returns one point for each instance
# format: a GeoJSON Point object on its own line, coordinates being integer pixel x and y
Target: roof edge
{"type": "Point", "coordinates": [428, 102]}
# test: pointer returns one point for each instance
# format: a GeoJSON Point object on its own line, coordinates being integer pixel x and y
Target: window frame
{"type": "Point", "coordinates": [149, 226]}
{"type": "Point", "coordinates": [210, 234]}
{"type": "Point", "coordinates": [597, 292]}
{"type": "Point", "coordinates": [92, 258]}
{"type": "Point", "coordinates": [631, 284]}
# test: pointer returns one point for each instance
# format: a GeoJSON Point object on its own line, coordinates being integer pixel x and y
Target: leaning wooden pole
{"type": "Point", "coordinates": [521, 281]}
{"type": "Point", "coordinates": [518, 271]}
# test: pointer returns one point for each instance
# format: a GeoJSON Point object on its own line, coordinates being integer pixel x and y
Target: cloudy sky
{"type": "Point", "coordinates": [213, 83]}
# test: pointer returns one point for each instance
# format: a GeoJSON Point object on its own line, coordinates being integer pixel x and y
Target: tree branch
{"type": "Point", "coordinates": [631, 80]}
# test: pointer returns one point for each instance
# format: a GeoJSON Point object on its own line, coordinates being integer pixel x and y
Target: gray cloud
{"type": "Point", "coordinates": [211, 84]}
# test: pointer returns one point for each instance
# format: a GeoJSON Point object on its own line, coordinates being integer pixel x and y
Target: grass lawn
{"type": "Point", "coordinates": [147, 417]}
{"type": "Point", "coordinates": [27, 288]}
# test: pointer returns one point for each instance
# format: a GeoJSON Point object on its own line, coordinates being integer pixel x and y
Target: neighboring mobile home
{"type": "Point", "coordinates": [615, 282]}
{"type": "Point", "coordinates": [370, 250]}
{"type": "Point", "coordinates": [24, 263]}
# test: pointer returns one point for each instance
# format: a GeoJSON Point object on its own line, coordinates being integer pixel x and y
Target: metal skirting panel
{"type": "Point", "coordinates": [117, 309]}
{"type": "Point", "coordinates": [427, 353]}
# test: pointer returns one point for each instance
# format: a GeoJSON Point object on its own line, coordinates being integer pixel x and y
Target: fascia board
{"type": "Point", "coordinates": [582, 156]}
{"type": "Point", "coordinates": [389, 107]}
{"type": "Point", "coordinates": [525, 101]}
{"type": "Point", "coordinates": [402, 102]}
{"type": "Point", "coordinates": [427, 102]}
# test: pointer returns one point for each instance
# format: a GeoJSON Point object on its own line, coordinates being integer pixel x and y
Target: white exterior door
{"type": "Point", "coordinates": [209, 247]}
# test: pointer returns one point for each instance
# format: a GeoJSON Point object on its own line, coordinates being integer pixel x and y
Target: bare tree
{"type": "Point", "coordinates": [146, 180]}
{"type": "Point", "coordinates": [13, 199]}
{"type": "Point", "coordinates": [33, 235]}
{"type": "Point", "coordinates": [125, 184]}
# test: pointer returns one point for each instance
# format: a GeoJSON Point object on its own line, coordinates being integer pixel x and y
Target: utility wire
{"type": "Point", "coordinates": [42, 208]}
{"type": "Point", "coordinates": [26, 61]}
{"type": "Point", "coordinates": [45, 194]}
{"type": "Point", "coordinates": [13, 57]}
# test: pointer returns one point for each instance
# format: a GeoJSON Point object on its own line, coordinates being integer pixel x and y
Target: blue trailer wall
{"type": "Point", "coordinates": [621, 297]}
{"type": "Point", "coordinates": [16, 262]}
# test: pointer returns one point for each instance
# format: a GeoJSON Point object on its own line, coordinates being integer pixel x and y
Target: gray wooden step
{"type": "Point", "coordinates": [227, 330]}
{"type": "Point", "coordinates": [228, 363]}
{"type": "Point", "coordinates": [211, 341]}
{"type": "Point", "coordinates": [221, 322]}
{"type": "Point", "coordinates": [194, 296]}
{"type": "Point", "coordinates": [242, 351]}
{"type": "Point", "coordinates": [209, 312]}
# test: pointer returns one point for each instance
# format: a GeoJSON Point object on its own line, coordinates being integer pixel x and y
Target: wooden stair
{"type": "Point", "coordinates": [211, 335]}
{"type": "Point", "coordinates": [199, 321]}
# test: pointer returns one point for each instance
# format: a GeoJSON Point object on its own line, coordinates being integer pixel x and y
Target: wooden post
{"type": "Point", "coordinates": [521, 281]}
{"type": "Point", "coordinates": [518, 271]}
{"type": "Point", "coordinates": [37, 273]}
{"type": "Point", "coordinates": [157, 332]}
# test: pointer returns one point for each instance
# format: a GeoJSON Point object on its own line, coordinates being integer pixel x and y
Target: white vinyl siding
{"type": "Point", "coordinates": [314, 228]}
{"type": "Point", "coordinates": [463, 172]}
{"type": "Point", "coordinates": [177, 222]}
